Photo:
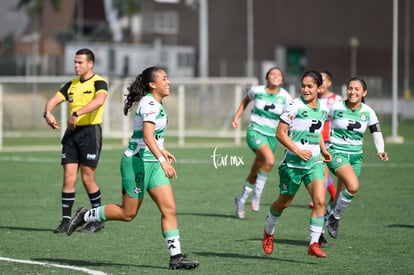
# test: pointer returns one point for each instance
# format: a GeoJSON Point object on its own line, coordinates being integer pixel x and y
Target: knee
{"type": "Point", "coordinates": [169, 212]}
{"type": "Point", "coordinates": [128, 218]}
{"type": "Point", "coordinates": [318, 204]}
{"type": "Point", "coordinates": [352, 187]}
{"type": "Point", "coordinates": [352, 190]}
{"type": "Point", "coordinates": [268, 165]}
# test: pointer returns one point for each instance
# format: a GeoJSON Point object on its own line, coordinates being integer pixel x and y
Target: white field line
{"type": "Point", "coordinates": [207, 160]}
{"type": "Point", "coordinates": [86, 270]}
{"type": "Point", "coordinates": [57, 160]}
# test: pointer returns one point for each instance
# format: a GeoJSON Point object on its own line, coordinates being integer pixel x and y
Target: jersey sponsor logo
{"type": "Point", "coordinates": [158, 137]}
{"type": "Point", "coordinates": [308, 142]}
{"type": "Point", "coordinates": [316, 125]}
{"type": "Point", "coordinates": [269, 107]}
{"type": "Point", "coordinates": [353, 124]}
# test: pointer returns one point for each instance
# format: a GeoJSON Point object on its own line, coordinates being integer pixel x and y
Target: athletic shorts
{"type": "Point", "coordinates": [82, 145]}
{"type": "Point", "coordinates": [138, 176]}
{"type": "Point", "coordinates": [341, 158]}
{"type": "Point", "coordinates": [255, 140]}
{"type": "Point", "coordinates": [291, 178]}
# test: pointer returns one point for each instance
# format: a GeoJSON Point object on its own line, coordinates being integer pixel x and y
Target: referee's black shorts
{"type": "Point", "coordinates": [82, 145]}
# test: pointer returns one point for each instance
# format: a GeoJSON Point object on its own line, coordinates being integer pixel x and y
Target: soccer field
{"type": "Point", "coordinates": [376, 233]}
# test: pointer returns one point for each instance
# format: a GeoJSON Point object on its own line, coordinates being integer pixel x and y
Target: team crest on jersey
{"type": "Point", "coordinates": [363, 116]}
{"type": "Point", "coordinates": [138, 189]}
{"type": "Point", "coordinates": [325, 115]}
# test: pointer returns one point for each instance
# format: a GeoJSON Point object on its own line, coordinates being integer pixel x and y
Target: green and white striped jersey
{"type": "Point", "coordinates": [267, 109]}
{"type": "Point", "coordinates": [305, 128]}
{"type": "Point", "coordinates": [148, 110]}
{"type": "Point", "coordinates": [348, 127]}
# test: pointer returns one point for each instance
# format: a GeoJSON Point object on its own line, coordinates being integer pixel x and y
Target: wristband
{"type": "Point", "coordinates": [161, 159]}
{"type": "Point", "coordinates": [75, 114]}
{"type": "Point", "coordinates": [45, 113]}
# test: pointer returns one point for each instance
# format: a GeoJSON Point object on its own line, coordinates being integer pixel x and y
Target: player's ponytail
{"type": "Point", "coordinates": [139, 88]}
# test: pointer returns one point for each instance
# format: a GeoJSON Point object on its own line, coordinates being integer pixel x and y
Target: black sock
{"type": "Point", "coordinates": [95, 199]}
{"type": "Point", "coordinates": [68, 200]}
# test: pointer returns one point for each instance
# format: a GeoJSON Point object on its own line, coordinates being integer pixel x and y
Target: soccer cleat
{"type": "Point", "coordinates": [92, 227]}
{"type": "Point", "coordinates": [239, 208]}
{"type": "Point", "coordinates": [255, 204]}
{"type": "Point", "coordinates": [323, 242]}
{"type": "Point", "coordinates": [267, 243]}
{"type": "Point", "coordinates": [181, 261]}
{"type": "Point", "coordinates": [315, 250]}
{"type": "Point", "coordinates": [63, 226]}
{"type": "Point", "coordinates": [76, 221]}
{"type": "Point", "coordinates": [332, 226]}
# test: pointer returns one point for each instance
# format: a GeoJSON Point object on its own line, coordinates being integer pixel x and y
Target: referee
{"type": "Point", "coordinates": [82, 141]}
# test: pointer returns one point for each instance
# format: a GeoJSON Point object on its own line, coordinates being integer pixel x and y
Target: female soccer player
{"type": "Point", "coordinates": [327, 97]}
{"type": "Point", "coordinates": [300, 131]}
{"type": "Point", "coordinates": [349, 121]}
{"type": "Point", "coordinates": [268, 103]}
{"type": "Point", "coordinates": [145, 166]}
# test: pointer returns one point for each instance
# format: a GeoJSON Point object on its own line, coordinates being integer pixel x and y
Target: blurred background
{"type": "Point", "coordinates": [213, 51]}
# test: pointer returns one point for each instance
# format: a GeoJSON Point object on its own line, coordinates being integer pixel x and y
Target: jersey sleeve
{"type": "Point", "coordinates": [373, 118]}
{"type": "Point", "coordinates": [289, 113]}
{"type": "Point", "coordinates": [251, 93]}
{"type": "Point", "coordinates": [149, 109]}
{"type": "Point", "coordinates": [101, 86]}
{"type": "Point", "coordinates": [63, 91]}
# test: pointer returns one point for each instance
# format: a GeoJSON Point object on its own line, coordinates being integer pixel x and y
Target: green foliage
{"type": "Point", "coordinates": [37, 6]}
{"type": "Point", "coordinates": [127, 7]}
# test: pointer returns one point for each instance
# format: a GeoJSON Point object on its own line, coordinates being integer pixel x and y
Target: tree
{"type": "Point", "coordinates": [37, 6]}
{"type": "Point", "coordinates": [35, 9]}
{"type": "Point", "coordinates": [127, 8]}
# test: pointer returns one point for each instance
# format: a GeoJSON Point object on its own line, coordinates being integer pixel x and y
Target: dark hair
{"type": "Point", "coordinates": [274, 68]}
{"type": "Point", "coordinates": [360, 80]}
{"type": "Point", "coordinates": [89, 54]}
{"type": "Point", "coordinates": [328, 73]}
{"type": "Point", "coordinates": [139, 88]}
{"type": "Point", "coordinates": [315, 75]}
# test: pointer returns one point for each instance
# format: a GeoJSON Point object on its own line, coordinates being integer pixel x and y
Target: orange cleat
{"type": "Point", "coordinates": [267, 243]}
{"type": "Point", "coordinates": [315, 250]}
